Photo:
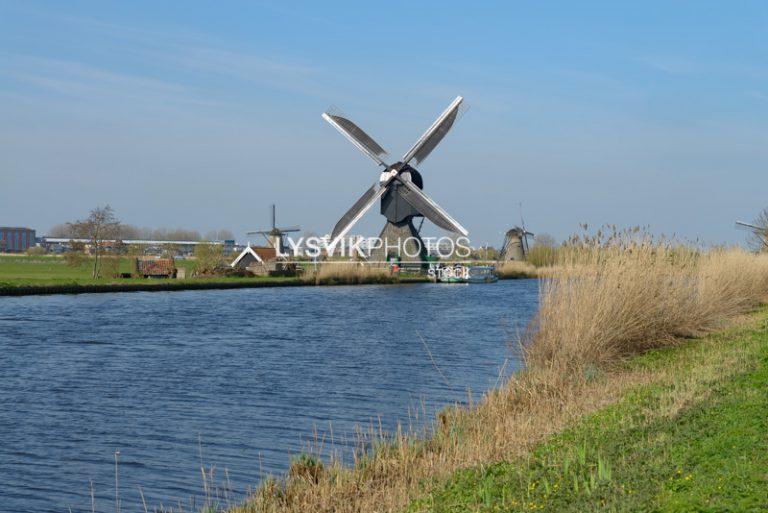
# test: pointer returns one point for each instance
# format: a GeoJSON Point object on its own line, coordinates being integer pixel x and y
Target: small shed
{"type": "Point", "coordinates": [253, 255]}
{"type": "Point", "coordinates": [153, 267]}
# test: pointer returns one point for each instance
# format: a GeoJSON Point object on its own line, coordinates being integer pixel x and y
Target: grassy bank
{"type": "Point", "coordinates": [696, 439]}
{"type": "Point", "coordinates": [606, 301]}
{"type": "Point", "coordinates": [29, 275]}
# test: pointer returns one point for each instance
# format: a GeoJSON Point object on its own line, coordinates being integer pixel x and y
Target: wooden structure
{"type": "Point", "coordinates": [152, 267]}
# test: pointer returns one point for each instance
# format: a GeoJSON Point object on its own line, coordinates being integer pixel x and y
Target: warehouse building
{"type": "Point", "coordinates": [15, 239]}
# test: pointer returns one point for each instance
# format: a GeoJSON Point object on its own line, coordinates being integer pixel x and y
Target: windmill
{"type": "Point", "coordinates": [399, 188]}
{"type": "Point", "coordinates": [515, 245]}
{"type": "Point", "coordinates": [760, 232]}
{"type": "Point", "coordinates": [274, 235]}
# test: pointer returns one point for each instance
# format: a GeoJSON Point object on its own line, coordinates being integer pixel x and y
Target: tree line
{"type": "Point", "coordinates": [130, 232]}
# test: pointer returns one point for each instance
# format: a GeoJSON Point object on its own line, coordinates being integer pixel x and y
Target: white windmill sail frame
{"type": "Point", "coordinates": [453, 223]}
{"type": "Point", "coordinates": [360, 212]}
{"type": "Point", "coordinates": [373, 156]}
{"type": "Point", "coordinates": [431, 130]}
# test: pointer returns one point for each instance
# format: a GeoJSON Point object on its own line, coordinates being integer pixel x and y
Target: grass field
{"type": "Point", "coordinates": [24, 270]}
{"type": "Point", "coordinates": [20, 274]}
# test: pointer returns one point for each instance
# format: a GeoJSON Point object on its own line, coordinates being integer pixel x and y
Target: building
{"type": "Point", "coordinates": [253, 255]}
{"type": "Point", "coordinates": [15, 239]}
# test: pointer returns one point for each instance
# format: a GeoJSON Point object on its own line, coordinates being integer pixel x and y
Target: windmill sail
{"type": "Point", "coordinates": [356, 136]}
{"type": "Point", "coordinates": [434, 134]}
{"type": "Point", "coordinates": [429, 209]}
{"type": "Point", "coordinates": [742, 224]}
{"type": "Point", "coordinates": [357, 211]}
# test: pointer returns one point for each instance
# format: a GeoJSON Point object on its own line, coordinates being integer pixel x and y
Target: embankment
{"type": "Point", "coordinates": [150, 285]}
{"type": "Point", "coordinates": [691, 439]}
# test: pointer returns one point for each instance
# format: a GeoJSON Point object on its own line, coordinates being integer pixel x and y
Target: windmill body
{"type": "Point", "coordinates": [399, 190]}
{"type": "Point", "coordinates": [515, 245]}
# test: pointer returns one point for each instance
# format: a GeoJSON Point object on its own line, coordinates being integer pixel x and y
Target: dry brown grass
{"type": "Point", "coordinates": [606, 298]}
{"type": "Point", "coordinates": [627, 293]}
{"type": "Point", "coordinates": [515, 269]}
{"type": "Point", "coordinates": [350, 273]}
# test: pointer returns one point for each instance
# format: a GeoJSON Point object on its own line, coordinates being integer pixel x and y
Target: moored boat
{"type": "Point", "coordinates": [463, 274]}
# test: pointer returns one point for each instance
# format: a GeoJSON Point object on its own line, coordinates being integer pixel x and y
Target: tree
{"type": "Point", "coordinates": [544, 239]}
{"type": "Point", "coordinates": [219, 235]}
{"type": "Point", "coordinates": [758, 238]}
{"type": "Point", "coordinates": [544, 251]}
{"type": "Point", "coordinates": [60, 231]}
{"type": "Point", "coordinates": [101, 225]}
{"type": "Point", "coordinates": [208, 258]}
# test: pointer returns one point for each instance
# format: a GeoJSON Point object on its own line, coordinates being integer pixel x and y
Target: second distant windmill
{"type": "Point", "coordinates": [276, 236]}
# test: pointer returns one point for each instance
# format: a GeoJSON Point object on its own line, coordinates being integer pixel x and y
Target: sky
{"type": "Point", "coordinates": [202, 114]}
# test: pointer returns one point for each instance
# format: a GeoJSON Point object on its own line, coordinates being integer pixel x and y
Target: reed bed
{"type": "Point", "coordinates": [351, 273]}
{"type": "Point", "coordinates": [515, 269]}
{"type": "Point", "coordinates": [608, 296]}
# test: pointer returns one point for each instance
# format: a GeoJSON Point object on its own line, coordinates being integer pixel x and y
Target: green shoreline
{"type": "Point", "coordinates": [180, 285]}
{"type": "Point", "coordinates": [697, 442]}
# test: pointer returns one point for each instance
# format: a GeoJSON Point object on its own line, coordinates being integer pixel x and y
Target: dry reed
{"type": "Point", "coordinates": [606, 298]}
{"type": "Point", "coordinates": [516, 269]}
{"type": "Point", "coordinates": [351, 273]}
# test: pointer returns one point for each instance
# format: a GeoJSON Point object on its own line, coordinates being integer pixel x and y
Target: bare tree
{"type": "Point", "coordinates": [758, 238]}
{"type": "Point", "coordinates": [61, 231]}
{"type": "Point", "coordinates": [219, 235]}
{"type": "Point", "coordinates": [100, 225]}
{"type": "Point", "coordinates": [129, 232]}
{"type": "Point", "coordinates": [545, 239]}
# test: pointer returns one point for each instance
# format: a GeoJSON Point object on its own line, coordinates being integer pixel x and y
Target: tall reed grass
{"type": "Point", "coordinates": [607, 297]}
{"type": "Point", "coordinates": [619, 293]}
{"type": "Point", "coordinates": [349, 273]}
{"type": "Point", "coordinates": [542, 255]}
{"type": "Point", "coordinates": [516, 269]}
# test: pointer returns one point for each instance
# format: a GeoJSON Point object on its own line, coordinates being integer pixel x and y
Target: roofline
{"type": "Point", "coordinates": [250, 250]}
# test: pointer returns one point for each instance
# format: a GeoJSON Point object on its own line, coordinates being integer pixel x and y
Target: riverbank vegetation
{"type": "Point", "coordinates": [608, 299]}
{"type": "Point", "coordinates": [72, 273]}
{"type": "Point", "coordinates": [692, 439]}
{"type": "Point", "coordinates": [346, 273]}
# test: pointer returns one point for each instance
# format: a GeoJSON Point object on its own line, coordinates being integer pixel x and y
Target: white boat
{"type": "Point", "coordinates": [463, 273]}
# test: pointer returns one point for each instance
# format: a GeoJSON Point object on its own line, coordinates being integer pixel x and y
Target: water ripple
{"type": "Point", "coordinates": [241, 376]}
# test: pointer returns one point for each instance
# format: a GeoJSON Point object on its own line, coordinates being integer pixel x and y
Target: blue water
{"type": "Point", "coordinates": [239, 376]}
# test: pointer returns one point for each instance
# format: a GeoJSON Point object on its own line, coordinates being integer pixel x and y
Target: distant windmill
{"type": "Point", "coordinates": [515, 242]}
{"type": "Point", "coordinates": [760, 232]}
{"type": "Point", "coordinates": [274, 235]}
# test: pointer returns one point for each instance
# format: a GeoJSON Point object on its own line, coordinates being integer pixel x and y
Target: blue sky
{"type": "Point", "coordinates": [202, 114]}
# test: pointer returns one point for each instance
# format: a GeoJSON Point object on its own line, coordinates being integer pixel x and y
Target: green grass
{"type": "Point", "coordinates": [47, 270]}
{"type": "Point", "coordinates": [698, 443]}
{"type": "Point", "coordinates": [21, 274]}
{"type": "Point", "coordinates": [23, 270]}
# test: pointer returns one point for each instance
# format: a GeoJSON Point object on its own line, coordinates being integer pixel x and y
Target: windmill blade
{"type": "Point", "coordinates": [356, 136]}
{"type": "Point", "coordinates": [434, 134]}
{"type": "Point", "coordinates": [504, 245]}
{"type": "Point", "coordinates": [429, 209]}
{"type": "Point", "coordinates": [741, 224]}
{"type": "Point", "coordinates": [357, 211]}
{"type": "Point", "coordinates": [259, 232]}
{"type": "Point", "coordinates": [289, 229]}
